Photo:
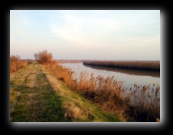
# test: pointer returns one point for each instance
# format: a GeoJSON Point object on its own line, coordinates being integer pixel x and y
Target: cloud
{"type": "Point", "coordinates": [102, 33]}
{"type": "Point", "coordinates": [84, 30]}
{"type": "Point", "coordinates": [20, 25]}
{"type": "Point", "coordinates": [74, 27]}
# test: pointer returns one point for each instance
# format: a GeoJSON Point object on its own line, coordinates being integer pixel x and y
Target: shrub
{"type": "Point", "coordinates": [43, 57]}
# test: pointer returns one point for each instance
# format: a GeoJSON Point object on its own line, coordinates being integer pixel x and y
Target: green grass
{"type": "Point", "coordinates": [38, 103]}
{"type": "Point", "coordinates": [16, 80]}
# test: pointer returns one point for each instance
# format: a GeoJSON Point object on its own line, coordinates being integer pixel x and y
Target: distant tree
{"type": "Point", "coordinates": [43, 57]}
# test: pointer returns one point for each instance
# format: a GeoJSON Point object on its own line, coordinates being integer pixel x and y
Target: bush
{"type": "Point", "coordinates": [43, 57]}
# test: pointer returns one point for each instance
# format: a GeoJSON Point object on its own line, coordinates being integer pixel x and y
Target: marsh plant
{"type": "Point", "coordinates": [139, 103]}
{"type": "Point", "coordinates": [145, 101]}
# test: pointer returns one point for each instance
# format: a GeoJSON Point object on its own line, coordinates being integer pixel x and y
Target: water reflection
{"type": "Point", "coordinates": [128, 71]}
{"type": "Point", "coordinates": [132, 81]}
{"type": "Point", "coordinates": [128, 78]}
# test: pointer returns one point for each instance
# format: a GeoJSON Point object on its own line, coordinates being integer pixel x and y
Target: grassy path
{"type": "Point", "coordinates": [36, 103]}
{"type": "Point", "coordinates": [37, 96]}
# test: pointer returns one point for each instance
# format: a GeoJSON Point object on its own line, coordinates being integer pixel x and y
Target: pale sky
{"type": "Point", "coordinates": [86, 34]}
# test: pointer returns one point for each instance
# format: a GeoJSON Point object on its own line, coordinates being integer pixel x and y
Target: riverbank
{"type": "Point", "coordinates": [39, 90]}
{"type": "Point", "coordinates": [109, 93]}
{"type": "Point", "coordinates": [137, 65]}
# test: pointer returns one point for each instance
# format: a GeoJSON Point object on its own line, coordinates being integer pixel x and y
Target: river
{"type": "Point", "coordinates": [133, 82]}
{"type": "Point", "coordinates": [127, 77]}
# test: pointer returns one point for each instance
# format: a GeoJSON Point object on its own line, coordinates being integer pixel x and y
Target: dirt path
{"type": "Point", "coordinates": [36, 95]}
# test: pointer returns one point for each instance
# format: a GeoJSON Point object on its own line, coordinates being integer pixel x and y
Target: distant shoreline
{"type": "Point", "coordinates": [69, 61]}
{"type": "Point", "coordinates": [136, 65]}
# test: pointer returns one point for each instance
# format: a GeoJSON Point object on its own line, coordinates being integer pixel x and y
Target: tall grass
{"type": "Point", "coordinates": [139, 104]}
{"type": "Point", "coordinates": [142, 104]}
{"type": "Point", "coordinates": [103, 91]}
{"type": "Point", "coordinates": [16, 63]}
{"type": "Point", "coordinates": [145, 101]}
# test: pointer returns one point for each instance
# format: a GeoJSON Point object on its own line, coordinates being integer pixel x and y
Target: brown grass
{"type": "Point", "coordinates": [43, 57]}
{"type": "Point", "coordinates": [108, 93]}
{"type": "Point", "coordinates": [16, 63]}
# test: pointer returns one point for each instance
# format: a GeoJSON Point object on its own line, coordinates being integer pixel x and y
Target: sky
{"type": "Point", "coordinates": [86, 34]}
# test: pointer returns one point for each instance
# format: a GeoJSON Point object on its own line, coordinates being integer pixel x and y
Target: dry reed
{"type": "Point", "coordinates": [138, 65]}
{"type": "Point", "coordinates": [110, 95]}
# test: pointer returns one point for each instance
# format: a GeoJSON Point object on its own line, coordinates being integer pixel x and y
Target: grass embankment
{"type": "Point", "coordinates": [105, 92]}
{"type": "Point", "coordinates": [137, 65]}
{"type": "Point", "coordinates": [38, 96]}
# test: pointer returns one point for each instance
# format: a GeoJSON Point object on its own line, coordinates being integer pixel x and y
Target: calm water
{"type": "Point", "coordinates": [127, 77]}
{"type": "Point", "coordinates": [131, 80]}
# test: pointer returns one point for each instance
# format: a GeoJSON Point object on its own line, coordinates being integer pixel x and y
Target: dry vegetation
{"type": "Point", "coordinates": [140, 65]}
{"type": "Point", "coordinates": [75, 106]}
{"type": "Point", "coordinates": [145, 102]}
{"type": "Point", "coordinates": [107, 93]}
{"type": "Point", "coordinates": [36, 95]}
{"type": "Point", "coordinates": [16, 63]}
{"type": "Point", "coordinates": [43, 57]}
{"type": "Point", "coordinates": [139, 104]}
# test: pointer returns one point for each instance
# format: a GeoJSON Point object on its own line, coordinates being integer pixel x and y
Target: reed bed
{"type": "Point", "coordinates": [138, 65]}
{"type": "Point", "coordinates": [103, 91]}
{"type": "Point", "coordinates": [145, 102]}
{"type": "Point", "coordinates": [139, 104]}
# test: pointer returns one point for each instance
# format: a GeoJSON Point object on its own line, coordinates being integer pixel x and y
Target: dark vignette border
{"type": "Point", "coordinates": [32, 127]}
